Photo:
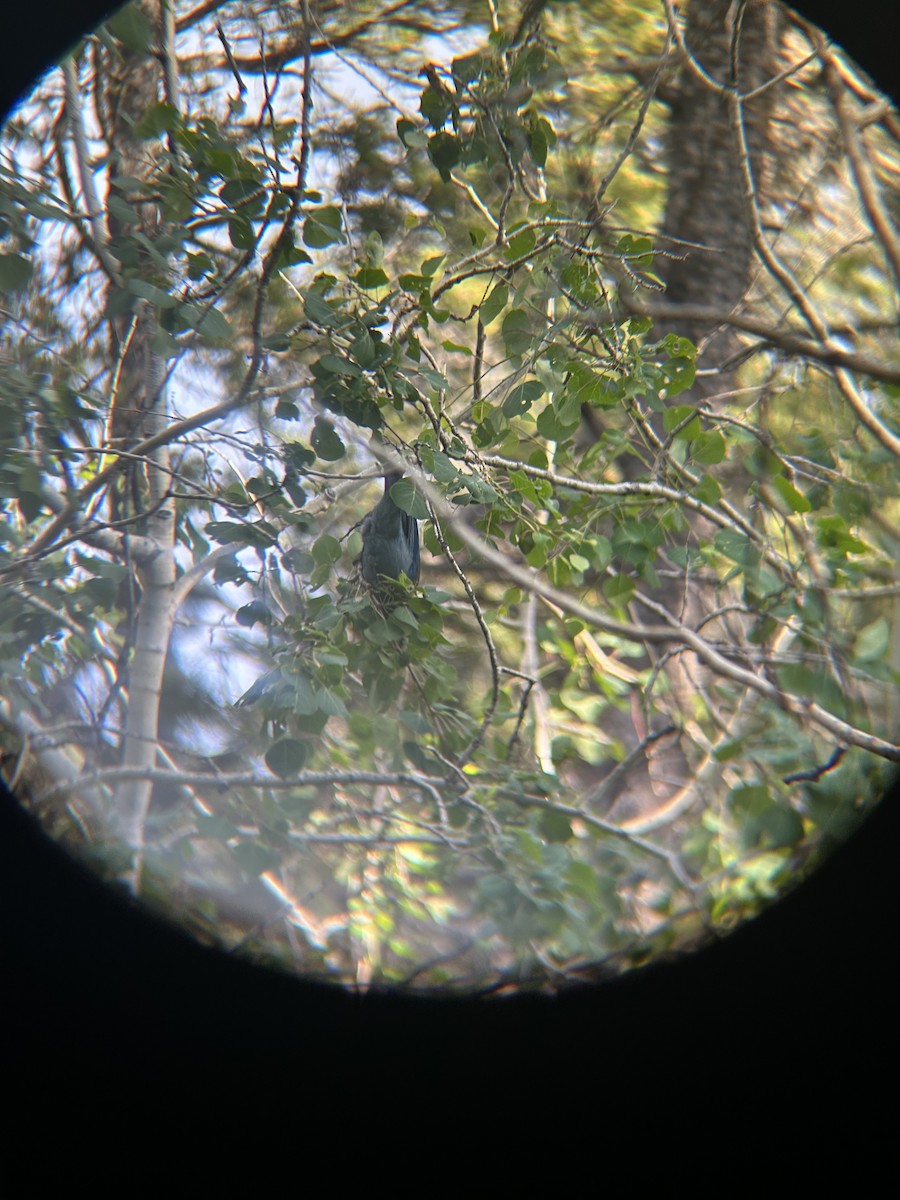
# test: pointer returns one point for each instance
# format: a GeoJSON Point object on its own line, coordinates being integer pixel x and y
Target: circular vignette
{"type": "Point", "coordinates": [554, 828]}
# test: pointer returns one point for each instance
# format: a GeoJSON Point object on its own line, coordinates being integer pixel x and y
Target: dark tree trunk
{"type": "Point", "coordinates": [705, 201]}
{"type": "Point", "coordinates": [706, 205]}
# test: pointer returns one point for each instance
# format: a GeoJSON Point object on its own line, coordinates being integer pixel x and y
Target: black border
{"type": "Point", "coordinates": [105, 1008]}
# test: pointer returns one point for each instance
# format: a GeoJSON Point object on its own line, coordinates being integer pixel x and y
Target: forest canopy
{"type": "Point", "coordinates": [608, 295]}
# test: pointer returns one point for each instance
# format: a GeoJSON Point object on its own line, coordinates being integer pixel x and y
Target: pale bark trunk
{"type": "Point", "coordinates": [142, 411]}
{"type": "Point", "coordinates": [156, 574]}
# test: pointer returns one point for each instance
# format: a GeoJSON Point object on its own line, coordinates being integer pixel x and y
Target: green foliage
{"type": "Point", "coordinates": [617, 572]}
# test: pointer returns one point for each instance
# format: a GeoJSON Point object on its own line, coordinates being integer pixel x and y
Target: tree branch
{"type": "Point", "coordinates": [791, 286]}
{"type": "Point", "coordinates": [854, 143]}
{"type": "Point", "coordinates": [788, 340]}
{"type": "Point", "coordinates": [673, 631]}
{"type": "Point", "coordinates": [95, 212]}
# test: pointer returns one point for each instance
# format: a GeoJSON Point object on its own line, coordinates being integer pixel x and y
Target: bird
{"type": "Point", "coordinates": [390, 541]}
{"type": "Point", "coordinates": [390, 549]}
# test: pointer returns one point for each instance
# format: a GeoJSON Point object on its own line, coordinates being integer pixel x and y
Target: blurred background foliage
{"type": "Point", "coordinates": [617, 288]}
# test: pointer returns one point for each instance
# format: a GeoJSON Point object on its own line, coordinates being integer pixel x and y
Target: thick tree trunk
{"type": "Point", "coordinates": [705, 202]}
{"type": "Point", "coordinates": [705, 206]}
{"type": "Point", "coordinates": [138, 410]}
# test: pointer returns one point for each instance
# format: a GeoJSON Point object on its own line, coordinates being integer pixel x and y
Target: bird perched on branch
{"type": "Point", "coordinates": [390, 549]}
{"type": "Point", "coordinates": [390, 541]}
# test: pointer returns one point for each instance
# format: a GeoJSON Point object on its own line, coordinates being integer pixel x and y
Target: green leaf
{"type": "Point", "coordinates": [326, 550]}
{"type": "Point", "coordinates": [554, 826]}
{"type": "Point", "coordinates": [199, 265]}
{"type": "Point", "coordinates": [220, 829]}
{"type": "Point", "coordinates": [679, 415]}
{"type": "Point", "coordinates": [764, 822]}
{"type": "Point", "coordinates": [540, 548]}
{"type": "Point", "coordinates": [794, 499]}
{"type": "Point", "coordinates": [439, 465]}
{"type": "Point", "coordinates": [363, 350]}
{"type": "Point", "coordinates": [578, 278]}
{"type": "Point", "coordinates": [15, 272]}
{"type": "Point", "coordinates": [541, 136]}
{"type": "Point", "coordinates": [636, 249]}
{"type": "Point", "coordinates": [250, 613]}
{"type": "Point", "coordinates": [240, 233]}
{"type": "Point", "coordinates": [708, 447]}
{"type": "Point", "coordinates": [157, 119]}
{"type": "Point", "coordinates": [122, 211]}
{"type": "Point", "coordinates": [214, 326]}
{"type": "Point", "coordinates": [323, 227]}
{"type": "Point", "coordinates": [164, 344]}
{"type": "Point", "coordinates": [834, 534]}
{"type": "Point", "coordinates": [435, 106]}
{"type": "Point", "coordinates": [873, 641]}
{"type": "Point", "coordinates": [521, 397]}
{"type": "Point", "coordinates": [370, 277]}
{"type": "Point", "coordinates": [444, 151]}
{"type": "Point", "coordinates": [729, 750]}
{"type": "Point", "coordinates": [405, 127]}
{"type": "Point", "coordinates": [132, 27]}
{"type": "Point", "coordinates": [468, 67]}
{"type": "Point", "coordinates": [225, 533]}
{"type": "Point", "coordinates": [319, 310]}
{"type": "Point", "coordinates": [383, 633]}
{"type": "Point", "coordinates": [708, 490]}
{"type": "Point", "coordinates": [481, 492]}
{"type": "Point", "coordinates": [229, 570]}
{"type": "Point", "coordinates": [298, 456]}
{"type": "Point", "coordinates": [618, 589]}
{"type": "Point", "coordinates": [154, 295]}
{"type": "Point", "coordinates": [408, 499]}
{"type": "Point", "coordinates": [519, 244]}
{"type": "Point", "coordinates": [28, 491]}
{"type": "Point", "coordinates": [737, 547]}
{"type": "Point", "coordinates": [335, 364]}
{"type": "Point", "coordinates": [325, 441]}
{"type": "Point", "coordinates": [780, 826]}
{"type": "Point", "coordinates": [679, 375]}
{"type": "Point", "coordinates": [517, 334]}
{"type": "Point", "coordinates": [299, 560]}
{"type": "Point", "coordinates": [494, 304]}
{"type": "Point", "coordinates": [414, 283]}
{"type": "Point", "coordinates": [245, 193]}
{"type": "Point", "coordinates": [435, 378]}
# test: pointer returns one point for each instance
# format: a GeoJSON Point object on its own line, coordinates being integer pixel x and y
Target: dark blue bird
{"type": "Point", "coordinates": [390, 549]}
{"type": "Point", "coordinates": [390, 540]}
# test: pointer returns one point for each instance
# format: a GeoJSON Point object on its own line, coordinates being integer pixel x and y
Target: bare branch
{"type": "Point", "coordinates": [95, 212]}
{"type": "Point", "coordinates": [789, 340]}
{"type": "Point", "coordinates": [672, 631]}
{"type": "Point", "coordinates": [854, 141]}
{"type": "Point", "coordinates": [194, 779]}
{"type": "Point", "coordinates": [791, 286]}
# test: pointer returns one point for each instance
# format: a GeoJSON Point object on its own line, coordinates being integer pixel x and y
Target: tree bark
{"type": "Point", "coordinates": [139, 410]}
{"type": "Point", "coordinates": [705, 203]}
